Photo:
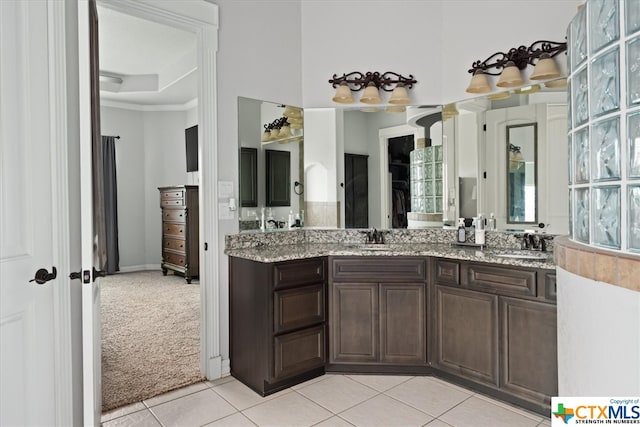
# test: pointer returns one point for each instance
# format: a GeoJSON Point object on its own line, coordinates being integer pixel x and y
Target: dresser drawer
{"type": "Point", "coordinates": [171, 202]}
{"type": "Point", "coordinates": [378, 269]}
{"type": "Point", "coordinates": [299, 272]}
{"type": "Point", "coordinates": [175, 244]}
{"type": "Point", "coordinates": [171, 194]}
{"type": "Point", "coordinates": [174, 259]}
{"type": "Point", "coordinates": [298, 352]}
{"type": "Point", "coordinates": [447, 272]}
{"type": "Point", "coordinates": [177, 215]}
{"type": "Point", "coordinates": [298, 307]}
{"type": "Point", "coordinates": [501, 280]}
{"type": "Point", "coordinates": [173, 229]}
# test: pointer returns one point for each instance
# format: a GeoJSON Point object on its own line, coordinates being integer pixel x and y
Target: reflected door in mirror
{"type": "Point", "coordinates": [356, 191]}
{"type": "Point", "coordinates": [521, 173]}
{"type": "Point", "coordinates": [248, 177]}
{"type": "Point", "coordinates": [278, 168]}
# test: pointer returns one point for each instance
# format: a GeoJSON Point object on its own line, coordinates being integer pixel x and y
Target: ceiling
{"type": "Point", "coordinates": [149, 63]}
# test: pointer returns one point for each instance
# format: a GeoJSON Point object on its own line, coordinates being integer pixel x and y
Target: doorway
{"type": "Point", "coordinates": [152, 120]}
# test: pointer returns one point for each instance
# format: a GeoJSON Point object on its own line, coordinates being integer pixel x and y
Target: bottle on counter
{"type": "Point", "coordinates": [461, 237]}
{"type": "Point", "coordinates": [479, 230]}
{"type": "Point", "coordinates": [491, 222]}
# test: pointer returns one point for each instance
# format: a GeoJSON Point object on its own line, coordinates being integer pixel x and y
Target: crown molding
{"type": "Point", "coordinates": [142, 107]}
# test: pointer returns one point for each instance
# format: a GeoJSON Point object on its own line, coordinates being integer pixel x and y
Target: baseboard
{"type": "Point", "coordinates": [143, 267]}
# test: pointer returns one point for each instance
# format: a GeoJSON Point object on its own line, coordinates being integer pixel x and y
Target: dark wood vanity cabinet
{"type": "Point", "coordinates": [277, 322]}
{"type": "Point", "coordinates": [377, 312]}
{"type": "Point", "coordinates": [495, 326]}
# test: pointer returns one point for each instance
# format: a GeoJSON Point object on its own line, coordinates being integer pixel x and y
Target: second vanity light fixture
{"type": "Point", "coordinates": [509, 66]}
{"type": "Point", "coordinates": [372, 83]}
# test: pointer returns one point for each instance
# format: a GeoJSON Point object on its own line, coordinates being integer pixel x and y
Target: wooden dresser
{"type": "Point", "coordinates": [180, 241]}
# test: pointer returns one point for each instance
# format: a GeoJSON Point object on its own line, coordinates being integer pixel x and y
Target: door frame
{"type": "Point", "coordinates": [384, 135]}
{"type": "Point", "coordinates": [200, 18]}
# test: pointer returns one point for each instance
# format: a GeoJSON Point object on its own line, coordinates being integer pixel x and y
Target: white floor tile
{"type": "Point", "coordinates": [427, 395]}
{"type": "Point", "coordinates": [220, 381]}
{"type": "Point", "coordinates": [384, 411]}
{"type": "Point", "coordinates": [193, 388]}
{"type": "Point", "coordinates": [124, 410]}
{"type": "Point", "coordinates": [291, 409]}
{"type": "Point", "coordinates": [513, 408]}
{"type": "Point", "coordinates": [193, 410]}
{"type": "Point", "coordinates": [142, 418]}
{"type": "Point", "coordinates": [380, 382]}
{"type": "Point", "coordinates": [241, 396]}
{"type": "Point", "coordinates": [334, 422]}
{"type": "Point", "coordinates": [545, 423]}
{"type": "Point", "coordinates": [311, 381]}
{"type": "Point", "coordinates": [475, 412]}
{"type": "Point", "coordinates": [337, 393]}
{"type": "Point", "coordinates": [438, 423]}
{"type": "Point", "coordinates": [235, 420]}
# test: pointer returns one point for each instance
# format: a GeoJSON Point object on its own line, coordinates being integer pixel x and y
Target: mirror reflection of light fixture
{"type": "Point", "coordinates": [509, 65]}
{"type": "Point", "coordinates": [516, 159]}
{"type": "Point", "coordinates": [292, 112]}
{"type": "Point", "coordinates": [372, 83]}
{"type": "Point", "coordinates": [558, 83]}
{"type": "Point", "coordinates": [499, 95]}
{"type": "Point", "coordinates": [527, 90]}
{"type": "Point", "coordinates": [449, 111]}
{"type": "Point", "coordinates": [395, 109]}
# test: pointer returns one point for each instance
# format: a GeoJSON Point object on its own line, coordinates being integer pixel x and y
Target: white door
{"type": "Point", "coordinates": [89, 108]}
{"type": "Point", "coordinates": [34, 353]}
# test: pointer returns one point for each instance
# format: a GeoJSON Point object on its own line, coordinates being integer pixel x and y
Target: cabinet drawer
{"type": "Point", "coordinates": [299, 272]}
{"type": "Point", "coordinates": [175, 244]}
{"type": "Point", "coordinates": [298, 352]}
{"type": "Point", "coordinates": [171, 194]}
{"type": "Point", "coordinates": [178, 215]}
{"type": "Point", "coordinates": [378, 269]}
{"type": "Point", "coordinates": [172, 202]}
{"type": "Point", "coordinates": [174, 259]}
{"type": "Point", "coordinates": [298, 307]}
{"type": "Point", "coordinates": [173, 229]}
{"type": "Point", "coordinates": [501, 280]}
{"type": "Point", "coordinates": [447, 272]}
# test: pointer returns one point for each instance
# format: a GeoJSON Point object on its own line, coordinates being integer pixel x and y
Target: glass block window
{"type": "Point", "coordinates": [604, 132]}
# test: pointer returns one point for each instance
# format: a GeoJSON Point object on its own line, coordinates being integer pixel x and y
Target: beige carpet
{"type": "Point", "coordinates": [150, 336]}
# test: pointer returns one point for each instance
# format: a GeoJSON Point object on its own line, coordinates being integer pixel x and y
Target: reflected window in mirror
{"type": "Point", "coordinates": [522, 174]}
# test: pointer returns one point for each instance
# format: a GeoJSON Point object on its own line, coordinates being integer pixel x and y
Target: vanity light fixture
{"type": "Point", "coordinates": [510, 65]}
{"type": "Point", "coordinates": [372, 83]}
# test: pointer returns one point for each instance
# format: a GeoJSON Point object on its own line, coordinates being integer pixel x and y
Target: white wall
{"type": "Point", "coordinates": [259, 56]}
{"type": "Point", "coordinates": [131, 183]}
{"type": "Point", "coordinates": [149, 154]}
{"type": "Point", "coordinates": [598, 338]}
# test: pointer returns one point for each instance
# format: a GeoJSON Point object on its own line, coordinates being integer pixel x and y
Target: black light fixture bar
{"type": "Point", "coordinates": [521, 56]}
{"type": "Point", "coordinates": [385, 81]}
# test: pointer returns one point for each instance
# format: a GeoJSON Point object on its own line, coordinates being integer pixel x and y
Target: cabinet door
{"type": "Point", "coordinates": [529, 354]}
{"type": "Point", "coordinates": [402, 323]}
{"type": "Point", "coordinates": [356, 191]}
{"type": "Point", "coordinates": [298, 352]}
{"type": "Point", "coordinates": [248, 177]}
{"type": "Point", "coordinates": [354, 322]}
{"type": "Point", "coordinates": [466, 341]}
{"type": "Point", "coordinates": [278, 168]}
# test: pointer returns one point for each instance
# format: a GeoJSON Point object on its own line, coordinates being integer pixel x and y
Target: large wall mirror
{"type": "Point", "coordinates": [522, 149]}
{"type": "Point", "coordinates": [472, 175]}
{"type": "Point", "coordinates": [271, 171]}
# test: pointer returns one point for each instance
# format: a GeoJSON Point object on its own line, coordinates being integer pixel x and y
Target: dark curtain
{"type": "Point", "coordinates": [110, 189]}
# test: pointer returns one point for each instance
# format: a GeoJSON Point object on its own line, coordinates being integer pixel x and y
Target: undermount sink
{"type": "Point", "coordinates": [537, 257]}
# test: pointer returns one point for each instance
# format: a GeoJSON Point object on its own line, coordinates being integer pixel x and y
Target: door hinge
{"type": "Point", "coordinates": [86, 277]}
{"type": "Point", "coordinates": [206, 246]}
{"type": "Point", "coordinates": [484, 127]}
{"type": "Point", "coordinates": [484, 174]}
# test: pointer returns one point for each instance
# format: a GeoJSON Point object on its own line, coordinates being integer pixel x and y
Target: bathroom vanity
{"type": "Point", "coordinates": [475, 318]}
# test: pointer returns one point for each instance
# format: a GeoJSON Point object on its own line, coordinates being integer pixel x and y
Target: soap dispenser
{"type": "Point", "coordinates": [479, 230]}
{"type": "Point", "coordinates": [462, 232]}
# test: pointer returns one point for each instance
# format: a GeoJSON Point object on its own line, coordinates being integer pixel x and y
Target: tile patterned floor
{"type": "Point", "coordinates": [327, 401]}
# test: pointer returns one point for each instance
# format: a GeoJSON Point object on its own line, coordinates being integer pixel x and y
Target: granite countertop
{"type": "Point", "coordinates": [275, 253]}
